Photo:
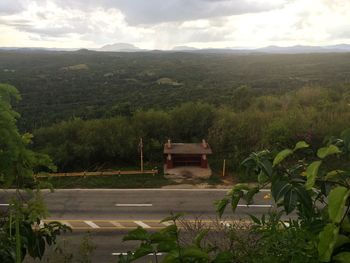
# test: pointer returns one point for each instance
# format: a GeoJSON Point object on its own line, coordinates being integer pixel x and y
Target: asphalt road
{"type": "Point", "coordinates": [110, 213]}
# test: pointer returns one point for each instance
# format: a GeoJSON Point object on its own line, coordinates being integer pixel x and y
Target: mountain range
{"type": "Point", "coordinates": [126, 47]}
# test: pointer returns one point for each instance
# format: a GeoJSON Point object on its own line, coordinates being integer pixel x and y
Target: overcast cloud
{"type": "Point", "coordinates": [162, 24]}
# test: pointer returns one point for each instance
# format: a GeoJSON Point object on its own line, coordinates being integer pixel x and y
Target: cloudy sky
{"type": "Point", "coordinates": [163, 24]}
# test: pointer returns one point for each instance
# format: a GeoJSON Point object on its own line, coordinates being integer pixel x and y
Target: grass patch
{"type": "Point", "coordinates": [77, 67]}
{"type": "Point", "coordinates": [114, 181]}
{"type": "Point", "coordinates": [215, 179]}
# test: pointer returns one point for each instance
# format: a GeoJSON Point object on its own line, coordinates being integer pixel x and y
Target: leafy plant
{"type": "Point", "coordinates": [21, 229]}
{"type": "Point", "coordinates": [168, 241]}
{"type": "Point", "coordinates": [305, 183]}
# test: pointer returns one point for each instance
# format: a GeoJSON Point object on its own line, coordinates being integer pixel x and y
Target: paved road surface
{"type": "Point", "coordinates": [109, 213]}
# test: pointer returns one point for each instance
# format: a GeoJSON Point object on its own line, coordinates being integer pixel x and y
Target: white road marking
{"type": "Point", "coordinates": [124, 254]}
{"type": "Point", "coordinates": [263, 206]}
{"type": "Point", "coordinates": [166, 223]}
{"type": "Point", "coordinates": [66, 223]}
{"type": "Point", "coordinates": [133, 205]}
{"type": "Point", "coordinates": [4, 204]}
{"type": "Point", "coordinates": [116, 224]}
{"type": "Point", "coordinates": [92, 224]}
{"type": "Point", "coordinates": [142, 224]}
{"type": "Point", "coordinates": [225, 223]}
{"type": "Point", "coordinates": [265, 190]}
{"type": "Point", "coordinates": [286, 224]}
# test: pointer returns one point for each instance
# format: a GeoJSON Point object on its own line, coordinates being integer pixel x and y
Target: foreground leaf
{"type": "Point", "coordinates": [301, 145]}
{"type": "Point", "coordinates": [336, 203]}
{"type": "Point", "coordinates": [199, 237]}
{"type": "Point", "coordinates": [290, 200]}
{"type": "Point", "coordinates": [173, 217]}
{"type": "Point", "coordinates": [137, 234]}
{"type": "Point", "coordinates": [334, 174]}
{"type": "Point", "coordinates": [311, 173]}
{"type": "Point", "coordinates": [343, 257]}
{"type": "Point", "coordinates": [281, 156]}
{"type": "Point", "coordinates": [220, 206]}
{"type": "Point", "coordinates": [279, 188]}
{"type": "Point", "coordinates": [328, 238]}
{"type": "Point", "coordinates": [326, 151]}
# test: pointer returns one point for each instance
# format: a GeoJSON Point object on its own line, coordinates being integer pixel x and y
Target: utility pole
{"type": "Point", "coordinates": [141, 154]}
{"type": "Point", "coordinates": [224, 168]}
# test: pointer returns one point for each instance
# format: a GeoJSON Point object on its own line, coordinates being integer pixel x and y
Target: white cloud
{"type": "Point", "coordinates": [163, 24]}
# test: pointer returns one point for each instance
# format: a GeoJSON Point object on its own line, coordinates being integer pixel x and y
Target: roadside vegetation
{"type": "Point", "coordinates": [113, 181]}
{"type": "Point", "coordinates": [92, 119]}
{"type": "Point", "coordinates": [274, 122]}
{"type": "Point", "coordinates": [20, 234]}
{"type": "Point", "coordinates": [310, 187]}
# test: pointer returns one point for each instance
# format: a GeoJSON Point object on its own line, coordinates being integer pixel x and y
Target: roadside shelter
{"type": "Point", "coordinates": [186, 154]}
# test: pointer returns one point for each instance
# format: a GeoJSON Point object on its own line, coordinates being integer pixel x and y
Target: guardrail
{"type": "Point", "coordinates": [103, 173]}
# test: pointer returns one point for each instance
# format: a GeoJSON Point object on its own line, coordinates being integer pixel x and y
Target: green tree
{"type": "Point", "coordinates": [20, 233]}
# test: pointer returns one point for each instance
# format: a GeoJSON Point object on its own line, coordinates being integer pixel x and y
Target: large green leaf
{"type": "Point", "coordinates": [304, 198]}
{"type": "Point", "coordinates": [262, 177]}
{"type": "Point", "coordinates": [266, 166]}
{"type": "Point", "coordinates": [326, 151]}
{"type": "Point", "coordinates": [167, 246]}
{"type": "Point", "coordinates": [220, 206]}
{"type": "Point", "coordinates": [248, 197]}
{"type": "Point", "coordinates": [336, 203]}
{"type": "Point", "coordinates": [311, 173]}
{"type": "Point", "coordinates": [301, 145]}
{"type": "Point", "coordinates": [279, 188]}
{"type": "Point", "coordinates": [343, 257]}
{"type": "Point", "coordinates": [281, 156]}
{"type": "Point", "coordinates": [137, 234]}
{"type": "Point", "coordinates": [234, 200]}
{"type": "Point", "coordinates": [200, 236]}
{"type": "Point", "coordinates": [143, 250]}
{"type": "Point", "coordinates": [334, 174]}
{"type": "Point", "coordinates": [173, 217]}
{"type": "Point", "coordinates": [290, 200]}
{"type": "Point", "coordinates": [239, 187]}
{"type": "Point", "coordinates": [345, 225]}
{"type": "Point", "coordinates": [327, 240]}
{"type": "Point", "coordinates": [341, 240]}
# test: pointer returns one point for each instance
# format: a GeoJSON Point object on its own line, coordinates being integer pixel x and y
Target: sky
{"type": "Point", "coordinates": [164, 24]}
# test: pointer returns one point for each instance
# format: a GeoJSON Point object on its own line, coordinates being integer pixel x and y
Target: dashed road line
{"type": "Point", "coordinates": [92, 224]}
{"type": "Point", "coordinates": [125, 254]}
{"type": "Point", "coordinates": [4, 204]}
{"type": "Point", "coordinates": [260, 206]}
{"type": "Point", "coordinates": [116, 224]}
{"type": "Point", "coordinates": [133, 205]}
{"type": "Point", "coordinates": [142, 224]}
{"type": "Point", "coordinates": [110, 224]}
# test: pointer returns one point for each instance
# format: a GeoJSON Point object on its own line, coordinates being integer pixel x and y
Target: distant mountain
{"type": "Point", "coordinates": [29, 49]}
{"type": "Point", "coordinates": [126, 47]}
{"type": "Point", "coordinates": [120, 47]}
{"type": "Point", "coordinates": [184, 48]}
{"type": "Point", "coordinates": [304, 49]}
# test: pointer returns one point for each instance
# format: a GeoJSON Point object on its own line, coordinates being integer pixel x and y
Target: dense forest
{"type": "Point", "coordinates": [87, 109]}
{"type": "Point", "coordinates": [59, 85]}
